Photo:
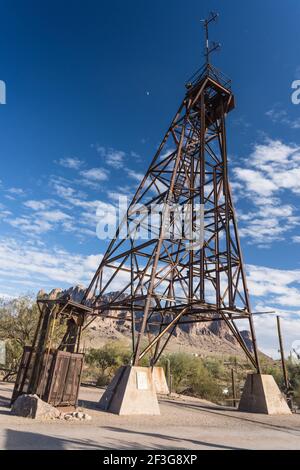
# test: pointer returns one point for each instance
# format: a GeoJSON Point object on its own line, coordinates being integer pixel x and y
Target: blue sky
{"type": "Point", "coordinates": [91, 88]}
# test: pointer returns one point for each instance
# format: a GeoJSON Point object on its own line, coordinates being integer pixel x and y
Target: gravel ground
{"type": "Point", "coordinates": [185, 423]}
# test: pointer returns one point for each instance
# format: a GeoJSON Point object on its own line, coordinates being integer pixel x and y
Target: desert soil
{"type": "Point", "coordinates": [185, 423]}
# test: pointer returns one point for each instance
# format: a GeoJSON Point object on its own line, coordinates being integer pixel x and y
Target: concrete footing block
{"type": "Point", "coordinates": [262, 395]}
{"type": "Point", "coordinates": [131, 392]}
{"type": "Point", "coordinates": [160, 381]}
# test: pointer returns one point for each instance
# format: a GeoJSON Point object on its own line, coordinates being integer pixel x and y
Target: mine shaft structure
{"type": "Point", "coordinates": [165, 283]}
{"type": "Point", "coordinates": [166, 279]}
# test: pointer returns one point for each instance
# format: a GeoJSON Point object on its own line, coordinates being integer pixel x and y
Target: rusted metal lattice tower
{"type": "Point", "coordinates": [164, 283]}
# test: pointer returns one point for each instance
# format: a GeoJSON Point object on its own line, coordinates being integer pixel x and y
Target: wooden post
{"type": "Point", "coordinates": [284, 370]}
{"type": "Point", "coordinates": [233, 388]}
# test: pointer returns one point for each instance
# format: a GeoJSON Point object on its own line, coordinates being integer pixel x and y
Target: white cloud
{"type": "Point", "coordinates": [121, 192]}
{"type": "Point", "coordinates": [281, 116]}
{"type": "Point", "coordinates": [5, 213]}
{"type": "Point", "coordinates": [280, 286]}
{"type": "Point", "coordinates": [136, 156]}
{"type": "Point", "coordinates": [12, 193]}
{"type": "Point", "coordinates": [41, 220]}
{"type": "Point", "coordinates": [73, 197]}
{"type": "Point", "coordinates": [276, 167]}
{"type": "Point", "coordinates": [114, 196]}
{"type": "Point", "coordinates": [30, 226]}
{"type": "Point", "coordinates": [288, 179]}
{"type": "Point", "coordinates": [268, 223]}
{"type": "Point", "coordinates": [112, 157]}
{"type": "Point", "coordinates": [54, 216]}
{"type": "Point", "coordinates": [86, 217]}
{"type": "Point", "coordinates": [29, 266]}
{"type": "Point", "coordinates": [63, 189]}
{"type": "Point", "coordinates": [38, 267]}
{"type": "Point", "coordinates": [71, 162]}
{"type": "Point", "coordinates": [16, 191]}
{"type": "Point", "coordinates": [277, 291]}
{"type": "Point", "coordinates": [38, 205]}
{"type": "Point", "coordinates": [95, 174]}
{"type": "Point", "coordinates": [134, 175]}
{"type": "Point", "coordinates": [255, 181]}
{"type": "Point", "coordinates": [271, 169]}
{"type": "Point", "coordinates": [91, 262]}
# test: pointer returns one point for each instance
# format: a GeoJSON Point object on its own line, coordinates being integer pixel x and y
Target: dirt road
{"type": "Point", "coordinates": [183, 424]}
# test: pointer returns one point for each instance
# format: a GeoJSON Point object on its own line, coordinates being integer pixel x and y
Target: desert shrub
{"type": "Point", "coordinates": [294, 377]}
{"type": "Point", "coordinates": [215, 366]}
{"type": "Point", "coordinates": [18, 321]}
{"type": "Point", "coordinates": [204, 385]}
{"type": "Point", "coordinates": [102, 363]}
{"type": "Point", "coordinates": [182, 368]}
{"type": "Point", "coordinates": [190, 375]}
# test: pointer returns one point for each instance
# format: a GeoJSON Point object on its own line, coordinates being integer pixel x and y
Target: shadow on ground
{"type": "Point", "coordinates": [5, 403]}
{"type": "Point", "coordinates": [236, 415]}
{"type": "Point", "coordinates": [17, 440]}
{"type": "Point", "coordinates": [89, 404]}
{"type": "Point", "coordinates": [172, 438]}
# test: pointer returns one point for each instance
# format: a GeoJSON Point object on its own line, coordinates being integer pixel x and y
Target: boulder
{"type": "Point", "coordinates": [31, 406]}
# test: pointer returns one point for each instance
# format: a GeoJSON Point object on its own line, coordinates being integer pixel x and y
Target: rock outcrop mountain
{"type": "Point", "coordinates": [207, 338]}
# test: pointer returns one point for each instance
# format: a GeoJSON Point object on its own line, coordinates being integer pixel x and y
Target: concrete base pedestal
{"type": "Point", "coordinates": [131, 392]}
{"type": "Point", "coordinates": [262, 395]}
{"type": "Point", "coordinates": [160, 382]}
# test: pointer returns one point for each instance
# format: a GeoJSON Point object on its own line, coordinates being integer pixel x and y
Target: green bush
{"type": "Point", "coordinates": [215, 367]}
{"type": "Point", "coordinates": [182, 368]}
{"type": "Point", "coordinates": [294, 377]}
{"type": "Point", "coordinates": [18, 321]}
{"type": "Point", "coordinates": [102, 363]}
{"type": "Point", "coordinates": [191, 375]}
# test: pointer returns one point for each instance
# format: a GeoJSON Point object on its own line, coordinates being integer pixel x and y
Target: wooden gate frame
{"type": "Point", "coordinates": [47, 382]}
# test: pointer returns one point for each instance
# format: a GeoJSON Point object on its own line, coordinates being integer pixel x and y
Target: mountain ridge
{"type": "Point", "coordinates": [204, 339]}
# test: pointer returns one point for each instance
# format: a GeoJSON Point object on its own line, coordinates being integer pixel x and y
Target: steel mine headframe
{"type": "Point", "coordinates": [185, 266]}
{"type": "Point", "coordinates": [159, 281]}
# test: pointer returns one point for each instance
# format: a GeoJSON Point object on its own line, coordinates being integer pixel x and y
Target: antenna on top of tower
{"type": "Point", "coordinates": [213, 46]}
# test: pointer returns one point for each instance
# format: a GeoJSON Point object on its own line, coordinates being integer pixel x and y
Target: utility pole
{"type": "Point", "coordinates": [233, 387]}
{"type": "Point", "coordinates": [284, 370]}
{"type": "Point", "coordinates": [289, 397]}
{"type": "Point", "coordinates": [169, 375]}
{"type": "Point", "coordinates": [233, 377]}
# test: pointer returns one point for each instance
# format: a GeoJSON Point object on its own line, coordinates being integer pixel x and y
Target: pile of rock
{"type": "Point", "coordinates": [76, 415]}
